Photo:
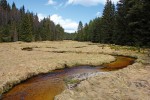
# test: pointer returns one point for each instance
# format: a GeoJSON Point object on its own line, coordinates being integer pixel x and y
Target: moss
{"type": "Point", "coordinates": [70, 80]}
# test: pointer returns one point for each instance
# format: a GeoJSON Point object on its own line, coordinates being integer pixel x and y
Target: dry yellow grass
{"type": "Point", "coordinates": [131, 83]}
{"type": "Point", "coordinates": [17, 65]}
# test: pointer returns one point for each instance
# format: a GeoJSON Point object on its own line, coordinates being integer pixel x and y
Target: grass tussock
{"type": "Point", "coordinates": [17, 65]}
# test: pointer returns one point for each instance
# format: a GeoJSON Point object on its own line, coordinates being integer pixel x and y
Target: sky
{"type": "Point", "coordinates": [67, 13]}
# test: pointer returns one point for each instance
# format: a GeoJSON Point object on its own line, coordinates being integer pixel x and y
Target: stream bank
{"type": "Point", "coordinates": [47, 86]}
{"type": "Point", "coordinates": [43, 57]}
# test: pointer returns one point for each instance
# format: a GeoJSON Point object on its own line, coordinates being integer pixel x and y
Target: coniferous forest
{"type": "Point", "coordinates": [21, 25]}
{"type": "Point", "coordinates": [126, 23]}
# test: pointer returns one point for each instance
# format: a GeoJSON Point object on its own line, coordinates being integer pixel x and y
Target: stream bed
{"type": "Point", "coordinates": [47, 86]}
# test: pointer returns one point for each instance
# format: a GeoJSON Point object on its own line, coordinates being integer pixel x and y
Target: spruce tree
{"type": "Point", "coordinates": [59, 32]}
{"type": "Point", "coordinates": [86, 32]}
{"type": "Point", "coordinates": [108, 22]}
{"type": "Point", "coordinates": [96, 30]}
{"type": "Point", "coordinates": [139, 22]}
{"type": "Point", "coordinates": [123, 36]}
{"type": "Point", "coordinates": [80, 32]}
{"type": "Point", "coordinates": [14, 19]}
{"type": "Point", "coordinates": [25, 26]}
{"type": "Point", "coordinates": [3, 4]}
{"type": "Point", "coordinates": [26, 29]}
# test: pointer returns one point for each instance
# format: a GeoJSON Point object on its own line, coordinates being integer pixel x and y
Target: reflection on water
{"type": "Point", "coordinates": [120, 62]}
{"type": "Point", "coordinates": [47, 86]}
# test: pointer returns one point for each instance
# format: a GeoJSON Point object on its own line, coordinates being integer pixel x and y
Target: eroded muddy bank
{"type": "Point", "coordinates": [47, 86]}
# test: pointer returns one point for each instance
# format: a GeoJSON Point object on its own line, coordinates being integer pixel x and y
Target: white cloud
{"type": "Point", "coordinates": [68, 24]}
{"type": "Point", "coordinates": [88, 2]}
{"type": "Point", "coordinates": [98, 14]}
{"type": "Point", "coordinates": [59, 6]}
{"type": "Point", "coordinates": [41, 16]}
{"type": "Point", "coordinates": [51, 2]}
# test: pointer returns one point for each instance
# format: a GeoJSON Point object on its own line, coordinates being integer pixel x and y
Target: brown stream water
{"type": "Point", "coordinates": [47, 86]}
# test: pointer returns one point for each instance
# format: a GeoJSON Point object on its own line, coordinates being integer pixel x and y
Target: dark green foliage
{"type": "Point", "coordinates": [26, 29]}
{"type": "Point", "coordinates": [59, 33]}
{"type": "Point", "coordinates": [129, 24]}
{"type": "Point", "coordinates": [17, 24]}
{"type": "Point", "coordinates": [3, 4]}
{"type": "Point", "coordinates": [139, 21]}
{"type": "Point", "coordinates": [80, 34]}
{"type": "Point", "coordinates": [122, 24]}
{"type": "Point", "coordinates": [133, 21]}
{"type": "Point", "coordinates": [86, 32]}
{"type": "Point", "coordinates": [100, 29]}
{"type": "Point", "coordinates": [96, 30]}
{"type": "Point", "coordinates": [70, 36]}
{"type": "Point", "coordinates": [108, 22]}
{"type": "Point", "coordinates": [45, 29]}
{"type": "Point", "coordinates": [5, 37]}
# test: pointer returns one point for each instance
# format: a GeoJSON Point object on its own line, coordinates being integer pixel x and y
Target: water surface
{"type": "Point", "coordinates": [47, 86]}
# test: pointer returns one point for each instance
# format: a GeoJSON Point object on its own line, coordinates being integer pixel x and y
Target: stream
{"type": "Point", "coordinates": [47, 86]}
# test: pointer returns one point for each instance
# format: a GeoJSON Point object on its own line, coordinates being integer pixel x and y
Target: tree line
{"type": "Point", "coordinates": [21, 25]}
{"type": "Point", "coordinates": [127, 23]}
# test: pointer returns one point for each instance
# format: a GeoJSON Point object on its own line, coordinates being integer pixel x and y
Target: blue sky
{"type": "Point", "coordinates": [67, 13]}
